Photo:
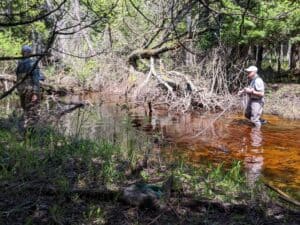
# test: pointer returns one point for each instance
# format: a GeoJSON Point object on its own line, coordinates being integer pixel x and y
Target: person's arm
{"type": "Point", "coordinates": [258, 93]}
{"type": "Point", "coordinates": [259, 89]}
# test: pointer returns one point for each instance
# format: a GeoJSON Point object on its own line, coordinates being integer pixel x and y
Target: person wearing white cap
{"type": "Point", "coordinates": [29, 89]}
{"type": "Point", "coordinates": [255, 92]}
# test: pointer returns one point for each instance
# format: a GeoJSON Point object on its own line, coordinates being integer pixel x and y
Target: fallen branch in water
{"type": "Point", "coordinates": [283, 195]}
{"type": "Point", "coordinates": [76, 106]}
{"type": "Point", "coordinates": [212, 123]}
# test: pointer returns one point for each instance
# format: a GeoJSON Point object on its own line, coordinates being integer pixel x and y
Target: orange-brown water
{"type": "Point", "coordinates": [271, 152]}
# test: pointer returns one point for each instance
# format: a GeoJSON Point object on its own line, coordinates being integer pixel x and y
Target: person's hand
{"type": "Point", "coordinates": [241, 92]}
{"type": "Point", "coordinates": [34, 98]}
{"type": "Point", "coordinates": [249, 90]}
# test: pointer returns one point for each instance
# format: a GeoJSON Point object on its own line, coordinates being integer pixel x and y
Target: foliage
{"type": "Point", "coordinates": [9, 45]}
{"type": "Point", "coordinates": [263, 22]}
{"type": "Point", "coordinates": [213, 182]}
{"type": "Point", "coordinates": [138, 23]}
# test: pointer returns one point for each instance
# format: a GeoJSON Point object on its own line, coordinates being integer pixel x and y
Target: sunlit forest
{"type": "Point", "coordinates": [133, 112]}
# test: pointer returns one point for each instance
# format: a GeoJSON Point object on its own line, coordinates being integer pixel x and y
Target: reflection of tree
{"type": "Point", "coordinates": [254, 159]}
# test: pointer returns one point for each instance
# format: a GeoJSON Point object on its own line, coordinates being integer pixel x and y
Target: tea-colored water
{"type": "Point", "coordinates": [271, 153]}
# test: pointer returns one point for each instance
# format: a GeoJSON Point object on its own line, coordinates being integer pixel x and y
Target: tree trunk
{"type": "Point", "coordinates": [252, 52]}
{"type": "Point", "coordinates": [295, 56]}
{"type": "Point", "coordinates": [83, 31]}
{"type": "Point", "coordinates": [9, 9]}
{"type": "Point", "coordinates": [148, 53]}
{"type": "Point", "coordinates": [278, 59]}
{"type": "Point", "coordinates": [289, 55]}
{"type": "Point", "coordinates": [282, 51]}
{"type": "Point", "coordinates": [110, 36]}
{"type": "Point", "coordinates": [60, 41]}
{"type": "Point", "coordinates": [189, 55]}
{"type": "Point", "coordinates": [259, 56]}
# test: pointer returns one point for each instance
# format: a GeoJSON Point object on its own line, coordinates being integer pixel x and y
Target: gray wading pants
{"type": "Point", "coordinates": [254, 110]}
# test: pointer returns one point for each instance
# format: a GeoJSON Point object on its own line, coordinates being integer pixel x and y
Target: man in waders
{"type": "Point", "coordinates": [29, 89]}
{"type": "Point", "coordinates": [255, 92]}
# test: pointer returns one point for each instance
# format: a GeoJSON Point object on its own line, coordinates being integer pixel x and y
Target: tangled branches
{"type": "Point", "coordinates": [207, 89]}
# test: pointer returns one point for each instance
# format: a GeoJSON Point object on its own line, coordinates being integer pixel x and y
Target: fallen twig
{"type": "Point", "coordinates": [282, 195]}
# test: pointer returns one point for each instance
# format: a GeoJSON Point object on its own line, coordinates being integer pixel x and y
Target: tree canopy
{"type": "Point", "coordinates": [94, 27]}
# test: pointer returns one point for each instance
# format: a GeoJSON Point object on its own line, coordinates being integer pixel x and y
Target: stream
{"type": "Point", "coordinates": [271, 153]}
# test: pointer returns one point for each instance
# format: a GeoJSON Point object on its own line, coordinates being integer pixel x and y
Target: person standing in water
{"type": "Point", "coordinates": [29, 89]}
{"type": "Point", "coordinates": [255, 92]}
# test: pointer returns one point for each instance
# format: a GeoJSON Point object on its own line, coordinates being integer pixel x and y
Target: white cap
{"type": "Point", "coordinates": [251, 69]}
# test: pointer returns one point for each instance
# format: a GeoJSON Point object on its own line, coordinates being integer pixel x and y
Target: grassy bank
{"type": "Point", "coordinates": [49, 178]}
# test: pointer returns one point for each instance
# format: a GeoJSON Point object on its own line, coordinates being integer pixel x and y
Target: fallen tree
{"type": "Point", "coordinates": [205, 89]}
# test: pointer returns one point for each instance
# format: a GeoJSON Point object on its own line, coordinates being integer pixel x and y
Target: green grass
{"type": "Point", "coordinates": [52, 154]}
{"type": "Point", "coordinates": [212, 182]}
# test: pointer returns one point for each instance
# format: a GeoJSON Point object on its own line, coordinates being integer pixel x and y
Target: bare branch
{"type": "Point", "coordinates": [40, 17]}
{"type": "Point", "coordinates": [79, 56]}
{"type": "Point", "coordinates": [6, 58]}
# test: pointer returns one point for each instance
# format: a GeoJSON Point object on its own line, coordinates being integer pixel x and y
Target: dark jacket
{"type": "Point", "coordinates": [32, 82]}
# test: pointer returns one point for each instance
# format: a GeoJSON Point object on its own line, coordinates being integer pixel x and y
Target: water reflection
{"type": "Point", "coordinates": [256, 137]}
{"type": "Point", "coordinates": [272, 151]}
{"type": "Point", "coordinates": [254, 159]}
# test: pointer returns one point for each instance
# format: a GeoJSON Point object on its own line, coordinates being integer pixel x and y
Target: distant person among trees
{"type": "Point", "coordinates": [29, 89]}
{"type": "Point", "coordinates": [255, 92]}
